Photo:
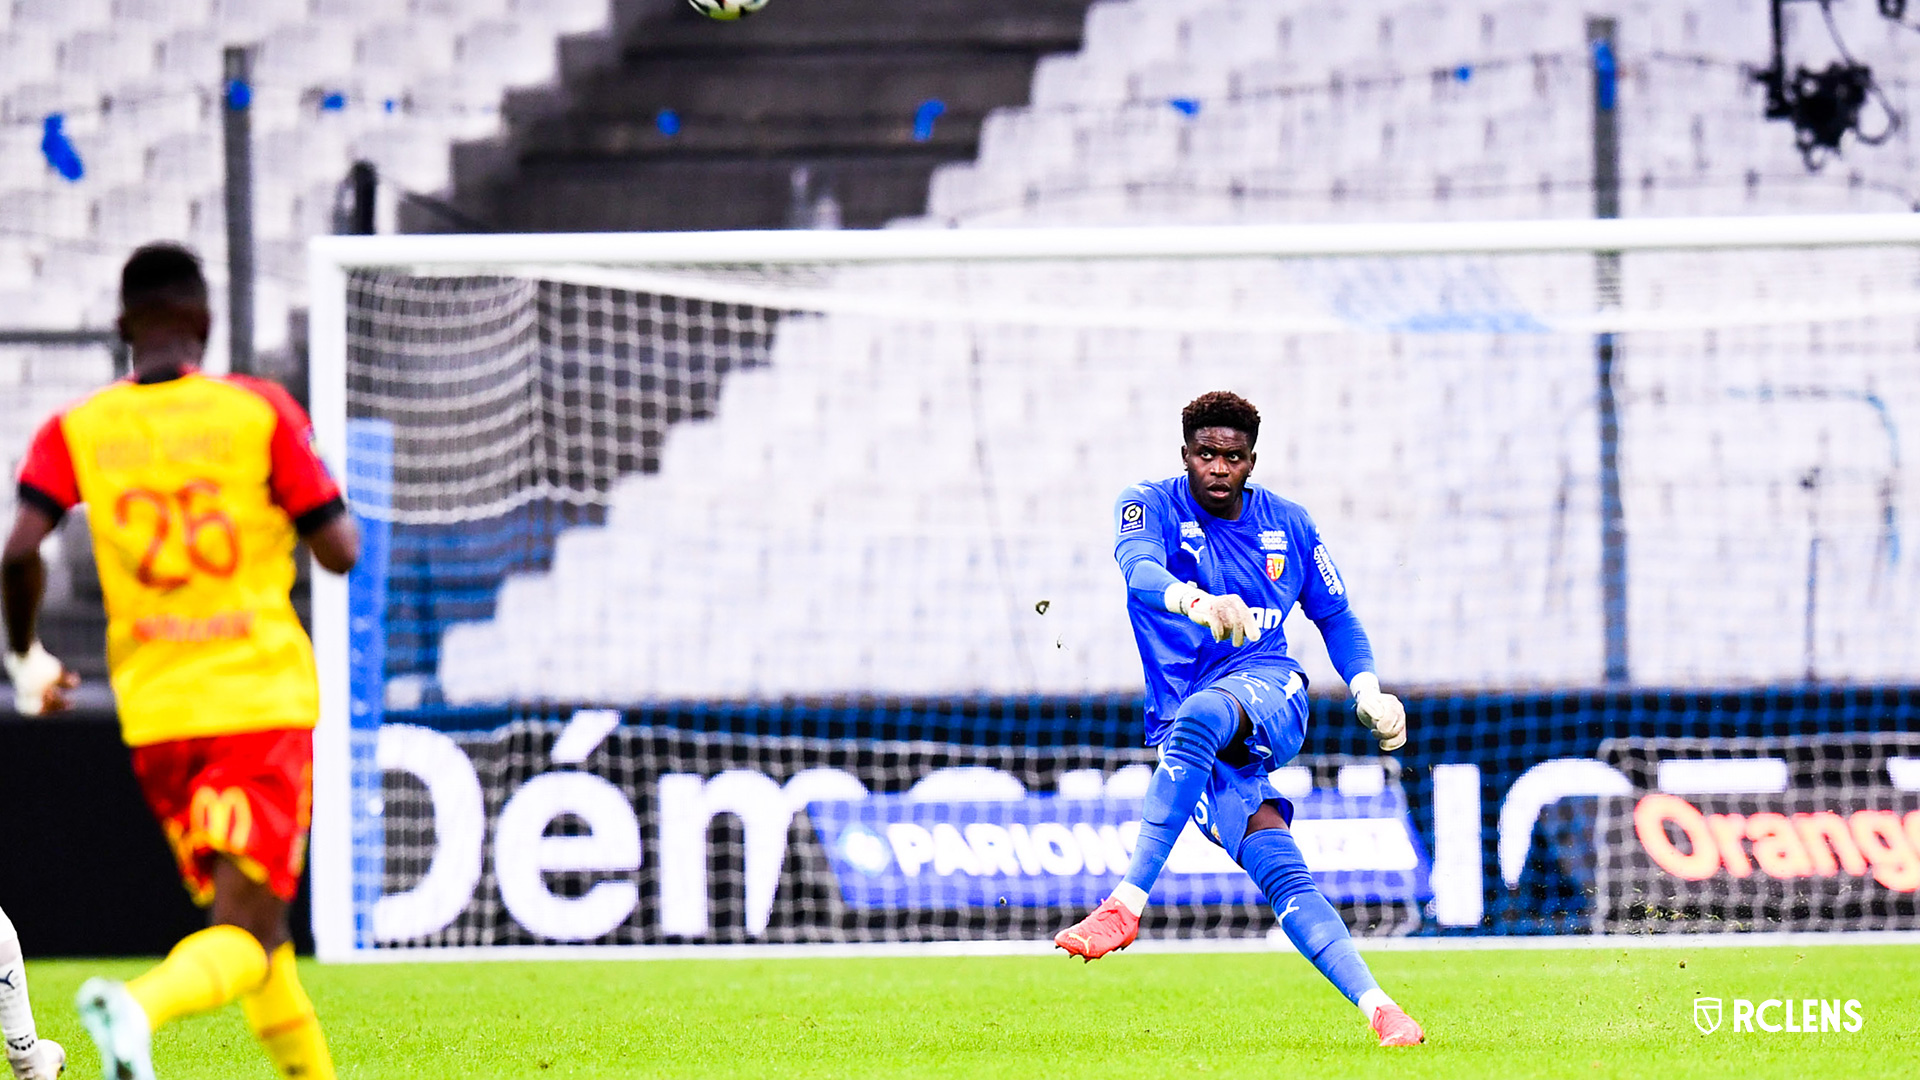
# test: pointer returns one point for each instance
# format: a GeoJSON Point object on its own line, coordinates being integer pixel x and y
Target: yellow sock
{"type": "Point", "coordinates": [282, 1018]}
{"type": "Point", "coordinates": [205, 971]}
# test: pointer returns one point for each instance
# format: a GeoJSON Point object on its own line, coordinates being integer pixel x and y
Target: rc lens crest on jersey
{"type": "Point", "coordinates": [1276, 566]}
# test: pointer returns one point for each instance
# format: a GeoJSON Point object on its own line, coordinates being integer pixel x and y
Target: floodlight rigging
{"type": "Point", "coordinates": [1825, 105]}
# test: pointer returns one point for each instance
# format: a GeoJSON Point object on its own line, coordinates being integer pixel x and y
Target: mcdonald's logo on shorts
{"type": "Point", "coordinates": [224, 817]}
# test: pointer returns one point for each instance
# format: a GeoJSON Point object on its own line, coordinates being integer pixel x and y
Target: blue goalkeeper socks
{"type": "Point", "coordinates": [1201, 727]}
{"type": "Point", "coordinates": [1273, 859]}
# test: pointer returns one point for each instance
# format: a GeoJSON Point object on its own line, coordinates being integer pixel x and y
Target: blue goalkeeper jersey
{"type": "Point", "coordinates": [1271, 557]}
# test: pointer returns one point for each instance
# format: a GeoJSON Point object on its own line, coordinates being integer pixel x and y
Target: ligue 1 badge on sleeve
{"type": "Point", "coordinates": [1706, 1014]}
{"type": "Point", "coordinates": [1276, 565]}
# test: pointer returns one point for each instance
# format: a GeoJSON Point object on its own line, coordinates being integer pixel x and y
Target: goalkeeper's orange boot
{"type": "Point", "coordinates": [1396, 1028]}
{"type": "Point", "coordinates": [1110, 928]}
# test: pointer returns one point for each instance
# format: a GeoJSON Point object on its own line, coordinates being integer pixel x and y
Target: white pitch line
{"type": "Point", "coordinates": [1765, 939]}
{"type": "Point", "coordinates": [904, 949]}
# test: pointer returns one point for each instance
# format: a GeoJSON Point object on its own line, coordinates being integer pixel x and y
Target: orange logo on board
{"type": "Point", "coordinates": [1824, 843]}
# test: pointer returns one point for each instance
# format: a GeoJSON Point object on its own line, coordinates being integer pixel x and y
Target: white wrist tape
{"type": "Point", "coordinates": [1364, 683]}
{"type": "Point", "coordinates": [1181, 596]}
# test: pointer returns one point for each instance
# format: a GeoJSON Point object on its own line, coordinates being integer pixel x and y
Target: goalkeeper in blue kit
{"type": "Point", "coordinates": [1213, 565]}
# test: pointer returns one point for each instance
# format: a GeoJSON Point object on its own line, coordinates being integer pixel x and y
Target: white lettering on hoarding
{"type": "Point", "coordinates": [1053, 848]}
{"type": "Point", "coordinates": [765, 808]}
{"type": "Point", "coordinates": [459, 826]}
{"type": "Point", "coordinates": [523, 854]}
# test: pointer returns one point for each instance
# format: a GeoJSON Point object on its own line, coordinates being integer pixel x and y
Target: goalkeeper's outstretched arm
{"type": "Point", "coordinates": [1324, 598]}
{"type": "Point", "coordinates": [40, 682]}
{"type": "Point", "coordinates": [1352, 655]}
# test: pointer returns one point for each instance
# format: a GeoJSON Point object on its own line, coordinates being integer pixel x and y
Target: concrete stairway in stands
{"type": "Point", "coordinates": [802, 114]}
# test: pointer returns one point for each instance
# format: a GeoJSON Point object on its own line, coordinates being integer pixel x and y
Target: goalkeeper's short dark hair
{"type": "Point", "coordinates": [1220, 408]}
{"type": "Point", "coordinates": [162, 275]}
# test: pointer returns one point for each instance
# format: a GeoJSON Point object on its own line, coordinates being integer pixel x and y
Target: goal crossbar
{"type": "Point", "coordinates": [1142, 242]}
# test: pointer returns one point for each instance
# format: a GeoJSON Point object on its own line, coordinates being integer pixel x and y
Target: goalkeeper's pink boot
{"type": "Point", "coordinates": [1110, 928]}
{"type": "Point", "coordinates": [1396, 1028]}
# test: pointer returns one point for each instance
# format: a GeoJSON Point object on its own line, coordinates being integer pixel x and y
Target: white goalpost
{"type": "Point", "coordinates": [741, 590]}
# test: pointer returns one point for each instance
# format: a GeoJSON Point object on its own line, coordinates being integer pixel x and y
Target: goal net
{"type": "Point", "coordinates": [758, 587]}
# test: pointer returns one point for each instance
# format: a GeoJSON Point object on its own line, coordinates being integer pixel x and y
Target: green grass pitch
{"type": "Point", "coordinates": [1488, 1013]}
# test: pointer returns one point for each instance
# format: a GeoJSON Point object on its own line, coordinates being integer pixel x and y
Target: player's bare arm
{"type": "Point", "coordinates": [336, 545]}
{"type": "Point", "coordinates": [41, 684]}
{"type": "Point", "coordinates": [23, 575]}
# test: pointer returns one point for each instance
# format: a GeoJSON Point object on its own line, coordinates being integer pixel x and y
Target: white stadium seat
{"type": "Point", "coordinates": [358, 12]}
{"type": "Point", "coordinates": [161, 13]}
{"type": "Point", "coordinates": [133, 215]}
{"type": "Point", "coordinates": [563, 16]}
{"type": "Point", "coordinates": [110, 158]}
{"type": "Point", "coordinates": [62, 15]}
{"type": "Point", "coordinates": [401, 51]}
{"type": "Point", "coordinates": [145, 110]}
{"type": "Point", "coordinates": [27, 53]}
{"type": "Point", "coordinates": [246, 21]}
{"type": "Point", "coordinates": [510, 53]}
{"type": "Point", "coordinates": [183, 57]}
{"type": "Point", "coordinates": [185, 159]}
{"type": "Point", "coordinates": [414, 163]}
{"type": "Point", "coordinates": [306, 55]}
{"type": "Point", "coordinates": [467, 11]}
{"type": "Point", "coordinates": [104, 57]}
{"type": "Point", "coordinates": [456, 105]}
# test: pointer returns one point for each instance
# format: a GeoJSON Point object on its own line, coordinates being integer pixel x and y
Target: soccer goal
{"type": "Point", "coordinates": [757, 588]}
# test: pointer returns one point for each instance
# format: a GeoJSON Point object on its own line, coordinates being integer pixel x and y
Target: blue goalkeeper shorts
{"type": "Point", "coordinates": [1275, 699]}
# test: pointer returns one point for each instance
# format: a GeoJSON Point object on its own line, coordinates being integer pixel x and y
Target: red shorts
{"type": "Point", "coordinates": [248, 797]}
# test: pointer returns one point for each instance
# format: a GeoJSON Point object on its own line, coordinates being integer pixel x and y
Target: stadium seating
{"type": "Point", "coordinates": [1414, 110]}
{"type": "Point", "coordinates": [806, 115]}
{"type": "Point", "coordinates": [137, 83]}
{"type": "Point", "coordinates": [1250, 110]}
{"type": "Point", "coordinates": [1174, 111]}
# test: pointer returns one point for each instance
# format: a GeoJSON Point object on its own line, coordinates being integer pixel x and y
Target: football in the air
{"type": "Point", "coordinates": [727, 10]}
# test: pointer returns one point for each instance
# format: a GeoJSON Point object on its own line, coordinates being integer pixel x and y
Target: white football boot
{"type": "Point", "coordinates": [119, 1028]}
{"type": "Point", "coordinates": [47, 1060]}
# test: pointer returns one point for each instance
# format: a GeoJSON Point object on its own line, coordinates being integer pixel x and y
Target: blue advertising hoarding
{"type": "Point", "coordinates": [896, 852]}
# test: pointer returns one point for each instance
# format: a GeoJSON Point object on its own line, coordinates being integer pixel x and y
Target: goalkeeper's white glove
{"type": "Point", "coordinates": [40, 682]}
{"type": "Point", "coordinates": [1381, 712]}
{"type": "Point", "coordinates": [1227, 616]}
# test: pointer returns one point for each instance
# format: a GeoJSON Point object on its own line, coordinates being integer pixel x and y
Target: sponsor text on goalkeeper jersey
{"type": "Point", "coordinates": [195, 487]}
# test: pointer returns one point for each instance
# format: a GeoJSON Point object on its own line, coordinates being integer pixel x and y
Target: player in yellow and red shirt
{"type": "Point", "coordinates": [197, 488]}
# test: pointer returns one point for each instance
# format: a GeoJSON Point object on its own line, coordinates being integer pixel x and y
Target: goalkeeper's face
{"type": "Point", "coordinates": [1219, 460]}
